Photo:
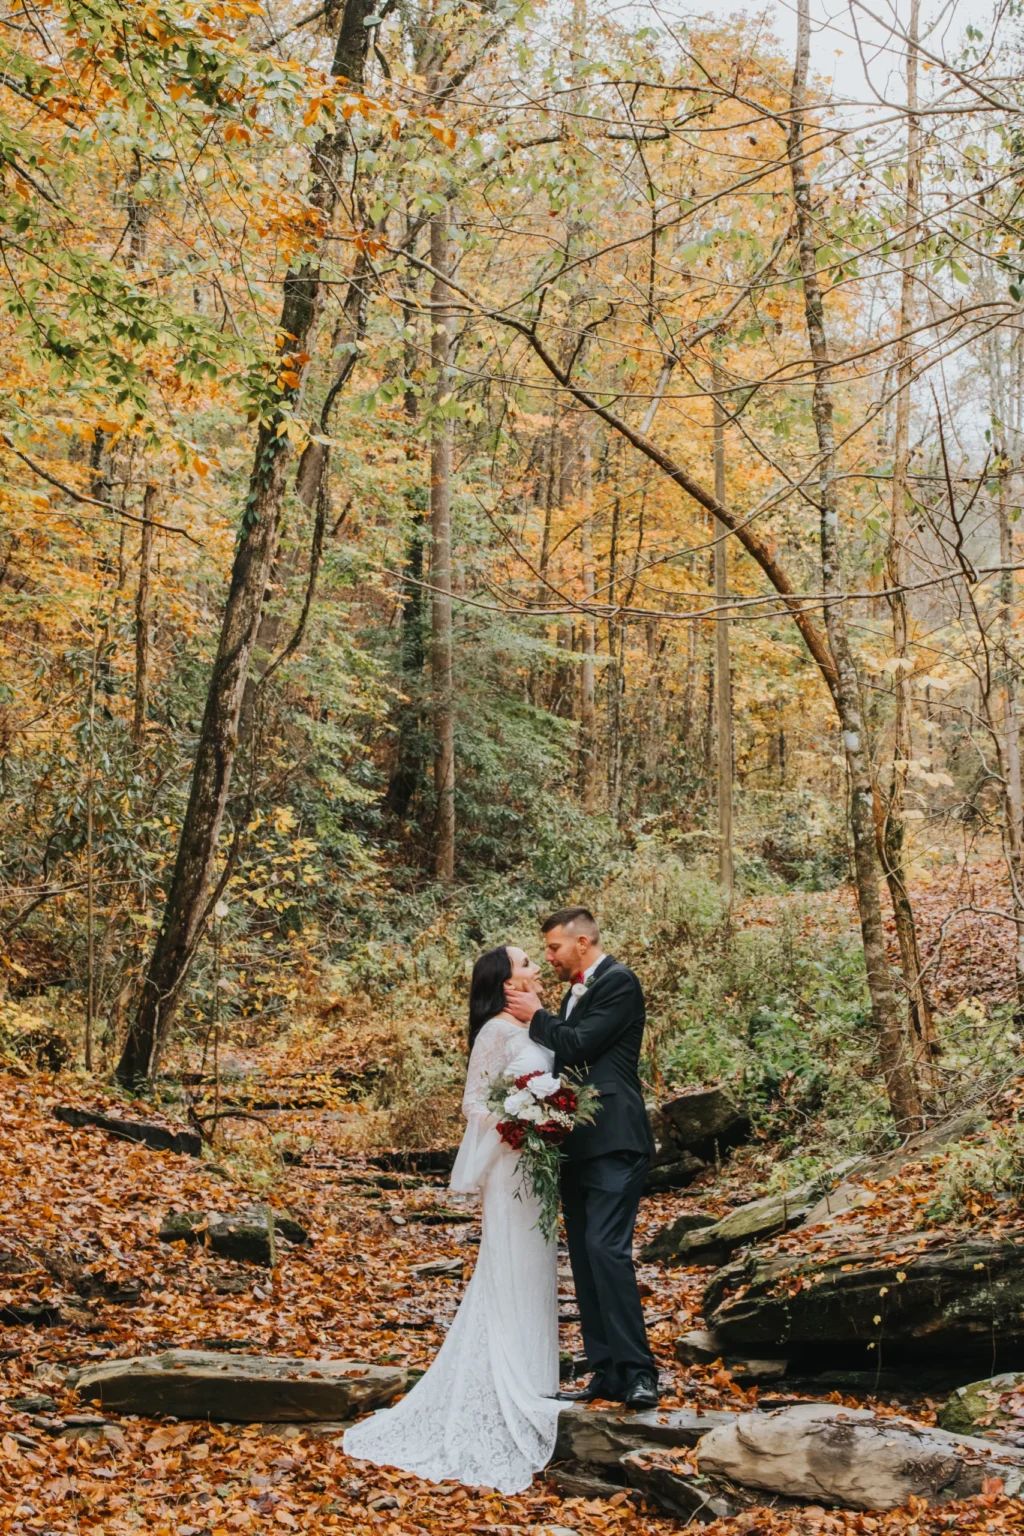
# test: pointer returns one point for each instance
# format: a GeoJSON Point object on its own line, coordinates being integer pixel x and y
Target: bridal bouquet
{"type": "Point", "coordinates": [535, 1113]}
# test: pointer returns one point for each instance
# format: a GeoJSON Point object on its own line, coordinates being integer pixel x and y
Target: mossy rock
{"type": "Point", "coordinates": [687, 1242]}
{"type": "Point", "coordinates": [664, 1245]}
{"type": "Point", "coordinates": [977, 1408]}
{"type": "Point", "coordinates": [246, 1236]}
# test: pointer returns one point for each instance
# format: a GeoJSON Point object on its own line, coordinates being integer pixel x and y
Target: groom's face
{"type": "Point", "coordinates": [565, 952]}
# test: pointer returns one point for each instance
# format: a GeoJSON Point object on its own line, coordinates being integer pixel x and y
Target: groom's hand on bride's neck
{"type": "Point", "coordinates": [521, 1005]}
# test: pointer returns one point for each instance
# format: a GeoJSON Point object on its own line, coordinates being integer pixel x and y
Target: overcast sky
{"type": "Point", "coordinates": [860, 53]}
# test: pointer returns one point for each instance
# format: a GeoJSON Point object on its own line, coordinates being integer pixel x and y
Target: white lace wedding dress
{"type": "Point", "coordinates": [484, 1412]}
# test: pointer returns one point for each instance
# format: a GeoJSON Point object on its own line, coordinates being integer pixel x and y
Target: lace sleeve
{"type": "Point", "coordinates": [496, 1045]}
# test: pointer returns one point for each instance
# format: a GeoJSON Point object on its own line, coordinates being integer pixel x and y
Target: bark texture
{"type": "Point", "coordinates": [893, 828]}
{"type": "Point", "coordinates": [441, 562]}
{"type": "Point", "coordinates": [1011, 732]}
{"type": "Point", "coordinates": [897, 1066]}
{"type": "Point", "coordinates": [142, 618]}
{"type": "Point", "coordinates": [188, 899]}
{"type": "Point", "coordinates": [723, 662]}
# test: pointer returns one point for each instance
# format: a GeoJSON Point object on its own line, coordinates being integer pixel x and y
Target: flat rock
{"type": "Point", "coordinates": [680, 1243]}
{"type": "Point", "coordinates": [441, 1216]}
{"type": "Point", "coordinates": [436, 1160]}
{"type": "Point", "coordinates": [31, 1314]}
{"type": "Point", "coordinates": [160, 1138]}
{"type": "Point", "coordinates": [702, 1347]}
{"type": "Point", "coordinates": [678, 1173]}
{"type": "Point", "coordinates": [577, 1480]}
{"type": "Point", "coordinates": [662, 1246]}
{"type": "Point", "coordinates": [245, 1389]}
{"type": "Point", "coordinates": [852, 1458]}
{"type": "Point", "coordinates": [914, 1304]}
{"type": "Point", "coordinates": [994, 1404]}
{"type": "Point", "coordinates": [699, 1347]}
{"type": "Point", "coordinates": [706, 1121]}
{"type": "Point", "coordinates": [851, 1191]}
{"type": "Point", "coordinates": [674, 1488]}
{"type": "Point", "coordinates": [438, 1267]}
{"type": "Point", "coordinates": [32, 1402]}
{"type": "Point", "coordinates": [602, 1435]}
{"type": "Point", "coordinates": [245, 1235]}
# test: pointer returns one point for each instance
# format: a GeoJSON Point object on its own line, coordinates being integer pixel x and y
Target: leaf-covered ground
{"type": "Point", "coordinates": [80, 1212]}
{"type": "Point", "coordinates": [966, 945]}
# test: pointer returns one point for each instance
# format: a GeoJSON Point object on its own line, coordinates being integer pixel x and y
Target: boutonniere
{"type": "Point", "coordinates": [579, 989]}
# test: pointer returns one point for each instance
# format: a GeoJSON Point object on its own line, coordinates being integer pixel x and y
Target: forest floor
{"type": "Point", "coordinates": [81, 1196]}
{"type": "Point", "coordinates": [79, 1200]}
{"type": "Point", "coordinates": [966, 944]}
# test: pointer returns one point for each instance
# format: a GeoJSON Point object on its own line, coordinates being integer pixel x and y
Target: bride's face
{"type": "Point", "coordinates": [525, 974]}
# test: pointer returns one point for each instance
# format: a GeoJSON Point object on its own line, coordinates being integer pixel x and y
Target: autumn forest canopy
{"type": "Point", "coordinates": [460, 458]}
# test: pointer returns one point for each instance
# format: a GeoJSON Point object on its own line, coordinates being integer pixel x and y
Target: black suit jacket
{"type": "Point", "coordinates": [600, 1041]}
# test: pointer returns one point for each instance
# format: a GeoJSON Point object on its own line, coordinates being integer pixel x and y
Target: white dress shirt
{"type": "Point", "coordinates": [571, 1004]}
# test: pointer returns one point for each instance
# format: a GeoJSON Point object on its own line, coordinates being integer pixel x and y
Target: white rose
{"type": "Point", "coordinates": [517, 1102]}
{"type": "Point", "coordinates": [578, 989]}
{"type": "Point", "coordinates": [532, 1114]}
{"type": "Point", "coordinates": [544, 1086]}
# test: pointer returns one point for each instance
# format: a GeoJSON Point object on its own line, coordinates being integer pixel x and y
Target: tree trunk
{"type": "Point", "coordinates": [1011, 727]}
{"type": "Point", "coordinates": [893, 828]}
{"type": "Point", "coordinates": [614, 690]}
{"type": "Point", "coordinates": [138, 217]}
{"type": "Point", "coordinates": [723, 660]}
{"type": "Point", "coordinates": [441, 561]}
{"type": "Point", "coordinates": [407, 774]}
{"type": "Point", "coordinates": [588, 705]}
{"type": "Point", "coordinates": [187, 907]}
{"type": "Point", "coordinates": [142, 620]}
{"type": "Point", "coordinates": [897, 1066]}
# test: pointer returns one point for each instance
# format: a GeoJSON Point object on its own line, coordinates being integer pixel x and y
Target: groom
{"type": "Point", "coordinates": [598, 1032]}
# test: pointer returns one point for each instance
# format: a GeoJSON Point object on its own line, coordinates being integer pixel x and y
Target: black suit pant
{"type": "Point", "coordinates": [600, 1198]}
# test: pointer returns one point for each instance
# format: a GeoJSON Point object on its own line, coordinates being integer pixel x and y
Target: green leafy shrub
{"type": "Point", "coordinates": [782, 1012]}
{"type": "Point", "coordinates": [976, 1177]}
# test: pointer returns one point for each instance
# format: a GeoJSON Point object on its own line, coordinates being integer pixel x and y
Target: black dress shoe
{"type": "Point", "coordinates": [642, 1393]}
{"type": "Point", "coordinates": [594, 1389]}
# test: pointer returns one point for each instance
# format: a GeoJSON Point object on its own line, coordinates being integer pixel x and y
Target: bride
{"type": "Point", "coordinates": [484, 1414]}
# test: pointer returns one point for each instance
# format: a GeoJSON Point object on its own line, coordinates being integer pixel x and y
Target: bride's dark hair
{"type": "Point", "coordinates": [487, 989]}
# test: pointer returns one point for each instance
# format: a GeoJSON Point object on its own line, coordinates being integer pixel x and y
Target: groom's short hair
{"type": "Point", "coordinates": [579, 918]}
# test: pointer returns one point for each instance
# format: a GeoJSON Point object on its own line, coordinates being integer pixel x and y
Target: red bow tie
{"type": "Point", "coordinates": [577, 978]}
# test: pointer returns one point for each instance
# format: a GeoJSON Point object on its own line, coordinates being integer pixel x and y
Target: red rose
{"type": "Point", "coordinates": [551, 1131]}
{"type": "Point", "coordinates": [527, 1077]}
{"type": "Point", "coordinates": [512, 1132]}
{"type": "Point", "coordinates": [564, 1100]}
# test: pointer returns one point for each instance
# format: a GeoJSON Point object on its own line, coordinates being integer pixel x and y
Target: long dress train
{"type": "Point", "coordinates": [484, 1412]}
